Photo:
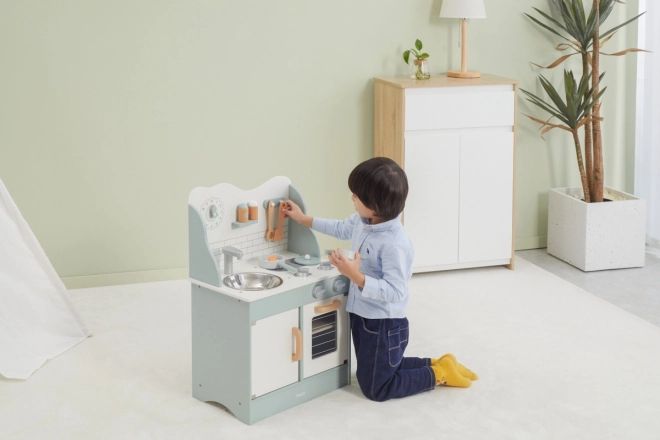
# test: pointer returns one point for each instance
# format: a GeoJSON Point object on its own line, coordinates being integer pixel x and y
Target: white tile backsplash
{"type": "Point", "coordinates": [253, 244]}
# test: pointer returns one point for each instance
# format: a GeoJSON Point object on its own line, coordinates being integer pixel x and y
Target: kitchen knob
{"type": "Point", "coordinates": [318, 291]}
{"type": "Point", "coordinates": [326, 265]}
{"type": "Point", "coordinates": [303, 272]}
{"type": "Point", "coordinates": [339, 285]}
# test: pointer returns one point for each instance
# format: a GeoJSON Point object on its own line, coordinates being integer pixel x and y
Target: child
{"type": "Point", "coordinates": [378, 294]}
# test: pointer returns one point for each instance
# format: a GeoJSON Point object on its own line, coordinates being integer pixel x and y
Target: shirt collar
{"type": "Point", "coordinates": [381, 227]}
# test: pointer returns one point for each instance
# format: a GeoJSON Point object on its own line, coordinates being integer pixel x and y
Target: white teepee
{"type": "Point", "coordinates": [37, 318]}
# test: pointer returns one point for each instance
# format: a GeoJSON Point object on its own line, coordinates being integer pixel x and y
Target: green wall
{"type": "Point", "coordinates": [111, 112]}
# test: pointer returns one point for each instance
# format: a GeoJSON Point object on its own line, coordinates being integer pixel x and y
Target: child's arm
{"type": "Point", "coordinates": [397, 270]}
{"type": "Point", "coordinates": [341, 229]}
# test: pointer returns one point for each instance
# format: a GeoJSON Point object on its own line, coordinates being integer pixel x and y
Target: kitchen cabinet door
{"type": "Point", "coordinates": [486, 194]}
{"type": "Point", "coordinates": [325, 335]}
{"type": "Point", "coordinates": [272, 347]}
{"type": "Point", "coordinates": [431, 213]}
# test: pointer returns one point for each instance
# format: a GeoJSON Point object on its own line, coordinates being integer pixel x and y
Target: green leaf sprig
{"type": "Point", "coordinates": [416, 52]}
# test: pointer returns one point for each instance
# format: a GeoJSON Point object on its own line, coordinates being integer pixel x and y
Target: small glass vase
{"type": "Point", "coordinates": [419, 69]}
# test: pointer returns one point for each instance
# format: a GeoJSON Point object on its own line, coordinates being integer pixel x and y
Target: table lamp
{"type": "Point", "coordinates": [463, 9]}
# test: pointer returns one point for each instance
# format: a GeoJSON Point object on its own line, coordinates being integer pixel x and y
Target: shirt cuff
{"type": "Point", "coordinates": [370, 287]}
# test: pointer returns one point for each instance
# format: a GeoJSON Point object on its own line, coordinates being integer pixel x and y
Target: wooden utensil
{"type": "Point", "coordinates": [279, 232]}
{"type": "Point", "coordinates": [271, 217]}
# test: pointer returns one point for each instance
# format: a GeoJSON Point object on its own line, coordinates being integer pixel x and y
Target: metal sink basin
{"type": "Point", "coordinates": [252, 281]}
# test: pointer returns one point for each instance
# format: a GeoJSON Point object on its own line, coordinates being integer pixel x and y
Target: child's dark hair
{"type": "Point", "coordinates": [381, 185]}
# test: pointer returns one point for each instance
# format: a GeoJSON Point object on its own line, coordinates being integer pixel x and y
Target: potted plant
{"type": "Point", "coordinates": [420, 68]}
{"type": "Point", "coordinates": [582, 230]}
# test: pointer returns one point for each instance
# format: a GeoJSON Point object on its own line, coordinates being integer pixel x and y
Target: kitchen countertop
{"type": "Point", "coordinates": [290, 281]}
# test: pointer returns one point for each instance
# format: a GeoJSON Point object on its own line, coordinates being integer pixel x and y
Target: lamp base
{"type": "Point", "coordinates": [461, 74]}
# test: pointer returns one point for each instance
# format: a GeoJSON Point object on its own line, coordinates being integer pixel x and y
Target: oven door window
{"type": "Point", "coordinates": [324, 334]}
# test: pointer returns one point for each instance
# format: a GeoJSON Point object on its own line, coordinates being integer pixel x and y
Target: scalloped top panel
{"type": "Point", "coordinates": [218, 208]}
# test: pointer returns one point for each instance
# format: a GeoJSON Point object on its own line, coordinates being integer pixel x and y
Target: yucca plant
{"type": "Point", "coordinates": [574, 112]}
{"type": "Point", "coordinates": [582, 34]}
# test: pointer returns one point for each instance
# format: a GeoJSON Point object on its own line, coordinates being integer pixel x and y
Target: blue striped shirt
{"type": "Point", "coordinates": [386, 255]}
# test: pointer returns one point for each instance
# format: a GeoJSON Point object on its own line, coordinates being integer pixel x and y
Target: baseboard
{"type": "Point", "coordinates": [114, 279]}
{"type": "Point", "coordinates": [525, 243]}
{"type": "Point", "coordinates": [652, 246]}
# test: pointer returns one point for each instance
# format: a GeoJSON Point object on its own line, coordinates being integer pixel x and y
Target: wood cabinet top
{"type": "Point", "coordinates": [405, 82]}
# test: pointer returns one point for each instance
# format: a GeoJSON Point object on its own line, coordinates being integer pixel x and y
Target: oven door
{"type": "Point", "coordinates": [325, 335]}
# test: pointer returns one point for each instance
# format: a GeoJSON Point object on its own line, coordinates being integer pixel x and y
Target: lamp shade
{"type": "Point", "coordinates": [463, 9]}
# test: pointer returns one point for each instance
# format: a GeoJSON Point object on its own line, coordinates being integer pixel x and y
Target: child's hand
{"type": "Point", "coordinates": [293, 211]}
{"type": "Point", "coordinates": [350, 268]}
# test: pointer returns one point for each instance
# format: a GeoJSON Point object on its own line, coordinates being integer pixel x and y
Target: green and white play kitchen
{"type": "Point", "coordinates": [269, 322]}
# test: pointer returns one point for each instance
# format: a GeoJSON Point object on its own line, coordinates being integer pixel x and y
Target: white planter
{"type": "Point", "coordinates": [596, 236]}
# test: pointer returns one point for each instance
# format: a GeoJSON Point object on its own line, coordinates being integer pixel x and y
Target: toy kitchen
{"type": "Point", "coordinates": [269, 322]}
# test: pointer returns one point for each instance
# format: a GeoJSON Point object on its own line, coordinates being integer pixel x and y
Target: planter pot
{"type": "Point", "coordinates": [419, 69]}
{"type": "Point", "coordinates": [596, 236]}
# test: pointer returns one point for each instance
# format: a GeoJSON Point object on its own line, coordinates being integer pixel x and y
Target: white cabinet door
{"type": "Point", "coordinates": [431, 213]}
{"type": "Point", "coordinates": [273, 345]}
{"type": "Point", "coordinates": [486, 194]}
{"type": "Point", "coordinates": [325, 335]}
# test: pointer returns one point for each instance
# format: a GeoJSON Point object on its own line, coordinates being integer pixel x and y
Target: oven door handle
{"type": "Point", "coordinates": [328, 308]}
{"type": "Point", "coordinates": [295, 357]}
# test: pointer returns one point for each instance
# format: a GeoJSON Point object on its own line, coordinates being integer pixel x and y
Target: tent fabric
{"type": "Point", "coordinates": [38, 321]}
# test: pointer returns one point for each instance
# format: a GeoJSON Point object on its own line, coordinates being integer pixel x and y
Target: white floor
{"type": "Point", "coordinates": [554, 361]}
{"type": "Point", "coordinates": [635, 290]}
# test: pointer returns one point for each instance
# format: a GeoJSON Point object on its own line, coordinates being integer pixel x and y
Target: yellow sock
{"type": "Point", "coordinates": [447, 374]}
{"type": "Point", "coordinates": [461, 369]}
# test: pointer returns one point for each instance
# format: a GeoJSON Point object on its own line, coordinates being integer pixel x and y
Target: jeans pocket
{"type": "Point", "coordinates": [397, 339]}
{"type": "Point", "coordinates": [371, 325]}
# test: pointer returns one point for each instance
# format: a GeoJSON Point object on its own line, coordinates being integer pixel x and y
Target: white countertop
{"type": "Point", "coordinates": [290, 281]}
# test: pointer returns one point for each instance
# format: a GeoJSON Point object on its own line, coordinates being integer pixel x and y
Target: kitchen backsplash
{"type": "Point", "coordinates": [253, 244]}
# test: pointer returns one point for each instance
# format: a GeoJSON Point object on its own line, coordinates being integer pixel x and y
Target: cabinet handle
{"type": "Point", "coordinates": [329, 308]}
{"type": "Point", "coordinates": [295, 357]}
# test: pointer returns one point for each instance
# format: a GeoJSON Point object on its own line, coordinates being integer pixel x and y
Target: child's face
{"type": "Point", "coordinates": [361, 209]}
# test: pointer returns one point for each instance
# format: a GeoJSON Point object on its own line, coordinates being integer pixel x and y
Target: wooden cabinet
{"type": "Point", "coordinates": [455, 138]}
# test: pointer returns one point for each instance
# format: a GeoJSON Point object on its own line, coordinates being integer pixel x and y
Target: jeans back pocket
{"type": "Point", "coordinates": [397, 339]}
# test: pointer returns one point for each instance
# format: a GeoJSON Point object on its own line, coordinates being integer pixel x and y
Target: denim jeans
{"type": "Point", "coordinates": [382, 371]}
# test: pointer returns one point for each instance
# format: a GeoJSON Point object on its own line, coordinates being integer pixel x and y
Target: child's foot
{"type": "Point", "coordinates": [446, 373]}
{"type": "Point", "coordinates": [461, 369]}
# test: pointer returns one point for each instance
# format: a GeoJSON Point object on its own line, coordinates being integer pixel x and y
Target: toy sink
{"type": "Point", "coordinates": [252, 281]}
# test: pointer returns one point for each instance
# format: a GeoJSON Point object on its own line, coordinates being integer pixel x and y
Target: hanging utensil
{"type": "Point", "coordinates": [271, 217]}
{"type": "Point", "coordinates": [279, 232]}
